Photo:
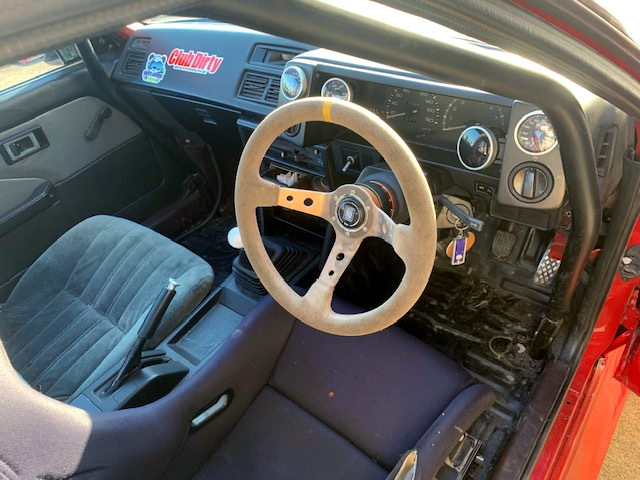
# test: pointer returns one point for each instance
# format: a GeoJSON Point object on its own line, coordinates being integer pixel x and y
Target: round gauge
{"type": "Point", "coordinates": [413, 113]}
{"type": "Point", "coordinates": [535, 134]}
{"type": "Point", "coordinates": [293, 82]}
{"type": "Point", "coordinates": [477, 147]}
{"type": "Point", "coordinates": [461, 113]}
{"type": "Point", "coordinates": [336, 88]}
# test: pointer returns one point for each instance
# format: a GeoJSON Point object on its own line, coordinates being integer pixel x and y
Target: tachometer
{"type": "Point", "coordinates": [336, 88]}
{"type": "Point", "coordinates": [461, 113]}
{"type": "Point", "coordinates": [413, 113]}
{"type": "Point", "coordinates": [535, 134]}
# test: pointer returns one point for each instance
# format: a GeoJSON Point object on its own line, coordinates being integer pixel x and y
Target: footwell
{"type": "Point", "coordinates": [488, 332]}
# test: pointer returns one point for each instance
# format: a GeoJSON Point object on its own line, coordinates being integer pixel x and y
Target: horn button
{"type": "Point", "coordinates": [351, 210]}
{"type": "Point", "coordinates": [351, 213]}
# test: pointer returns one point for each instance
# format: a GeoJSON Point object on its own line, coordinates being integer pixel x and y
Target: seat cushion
{"type": "Point", "coordinates": [381, 392]}
{"type": "Point", "coordinates": [67, 319]}
{"type": "Point", "coordinates": [276, 439]}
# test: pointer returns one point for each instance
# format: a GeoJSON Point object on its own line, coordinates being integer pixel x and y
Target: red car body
{"type": "Point", "coordinates": [578, 438]}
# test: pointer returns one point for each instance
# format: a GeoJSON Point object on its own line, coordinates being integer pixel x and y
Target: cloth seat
{"type": "Point", "coordinates": [76, 310]}
{"type": "Point", "coordinates": [349, 408]}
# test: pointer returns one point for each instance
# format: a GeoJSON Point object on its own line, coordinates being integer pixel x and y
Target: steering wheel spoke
{"type": "Point", "coordinates": [304, 201]}
{"type": "Point", "coordinates": [340, 256]}
{"type": "Point", "coordinates": [383, 227]}
{"type": "Point", "coordinates": [402, 242]}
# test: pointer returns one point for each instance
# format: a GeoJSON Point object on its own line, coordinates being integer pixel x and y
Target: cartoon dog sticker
{"type": "Point", "coordinates": [156, 68]}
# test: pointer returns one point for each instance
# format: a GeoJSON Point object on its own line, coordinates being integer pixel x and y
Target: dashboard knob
{"type": "Point", "coordinates": [530, 183]}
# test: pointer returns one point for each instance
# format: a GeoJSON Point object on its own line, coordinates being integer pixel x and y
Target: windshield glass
{"type": "Point", "coordinates": [627, 13]}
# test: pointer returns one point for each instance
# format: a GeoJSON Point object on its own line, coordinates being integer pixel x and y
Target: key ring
{"type": "Point", "coordinates": [460, 226]}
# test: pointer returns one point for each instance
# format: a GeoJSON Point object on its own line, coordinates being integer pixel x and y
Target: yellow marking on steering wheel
{"type": "Point", "coordinates": [326, 111]}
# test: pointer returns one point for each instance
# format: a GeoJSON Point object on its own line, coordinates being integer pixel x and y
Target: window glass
{"type": "Point", "coordinates": [32, 67]}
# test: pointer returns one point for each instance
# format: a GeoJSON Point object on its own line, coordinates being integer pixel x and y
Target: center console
{"type": "Point", "coordinates": [180, 356]}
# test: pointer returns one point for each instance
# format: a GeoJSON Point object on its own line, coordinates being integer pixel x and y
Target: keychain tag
{"type": "Point", "coordinates": [459, 251]}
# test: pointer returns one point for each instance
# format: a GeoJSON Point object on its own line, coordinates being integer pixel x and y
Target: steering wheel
{"type": "Point", "coordinates": [350, 209]}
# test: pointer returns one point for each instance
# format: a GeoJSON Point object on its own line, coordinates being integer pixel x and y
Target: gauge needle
{"type": "Point", "coordinates": [453, 128]}
{"type": "Point", "coordinates": [396, 115]}
{"type": "Point", "coordinates": [536, 138]}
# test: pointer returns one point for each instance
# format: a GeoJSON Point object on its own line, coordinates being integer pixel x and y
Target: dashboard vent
{"type": "Point", "coordinates": [133, 63]}
{"type": "Point", "coordinates": [273, 91]}
{"type": "Point", "coordinates": [604, 150]}
{"type": "Point", "coordinates": [260, 88]}
{"type": "Point", "coordinates": [273, 56]}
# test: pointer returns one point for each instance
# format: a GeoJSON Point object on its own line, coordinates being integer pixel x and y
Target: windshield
{"type": "Point", "coordinates": [627, 13]}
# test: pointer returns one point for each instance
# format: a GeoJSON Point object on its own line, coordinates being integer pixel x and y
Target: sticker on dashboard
{"type": "Point", "coordinates": [156, 68]}
{"type": "Point", "coordinates": [195, 62]}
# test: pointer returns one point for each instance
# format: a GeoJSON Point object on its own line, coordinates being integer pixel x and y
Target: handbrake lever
{"type": "Point", "coordinates": [147, 330]}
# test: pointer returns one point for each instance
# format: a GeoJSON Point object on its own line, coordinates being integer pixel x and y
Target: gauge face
{"type": "Point", "coordinates": [293, 82]}
{"type": "Point", "coordinates": [413, 113]}
{"type": "Point", "coordinates": [460, 114]}
{"type": "Point", "coordinates": [535, 134]}
{"type": "Point", "coordinates": [336, 88]}
{"type": "Point", "coordinates": [477, 148]}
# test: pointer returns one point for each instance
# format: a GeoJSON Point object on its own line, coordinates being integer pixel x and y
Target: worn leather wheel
{"type": "Point", "coordinates": [350, 209]}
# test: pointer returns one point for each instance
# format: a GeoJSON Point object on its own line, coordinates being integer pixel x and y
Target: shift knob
{"type": "Point", "coordinates": [233, 237]}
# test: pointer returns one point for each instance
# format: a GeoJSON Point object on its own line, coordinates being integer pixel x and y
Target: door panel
{"type": "Point", "coordinates": [68, 151]}
{"type": "Point", "coordinates": [22, 199]}
{"type": "Point", "coordinates": [66, 177]}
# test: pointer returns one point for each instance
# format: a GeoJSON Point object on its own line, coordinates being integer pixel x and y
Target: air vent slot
{"type": "Point", "coordinates": [273, 91]}
{"type": "Point", "coordinates": [254, 86]}
{"type": "Point", "coordinates": [260, 88]}
{"type": "Point", "coordinates": [273, 56]}
{"type": "Point", "coordinates": [133, 63]}
{"type": "Point", "coordinates": [605, 148]}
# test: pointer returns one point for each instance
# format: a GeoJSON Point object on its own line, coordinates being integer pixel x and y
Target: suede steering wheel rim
{"type": "Point", "coordinates": [349, 209]}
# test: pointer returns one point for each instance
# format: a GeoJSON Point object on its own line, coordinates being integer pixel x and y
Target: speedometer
{"type": "Point", "coordinates": [413, 113]}
{"type": "Point", "coordinates": [535, 134]}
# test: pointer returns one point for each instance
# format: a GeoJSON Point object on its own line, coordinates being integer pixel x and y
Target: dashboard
{"type": "Point", "coordinates": [498, 154]}
{"type": "Point", "coordinates": [497, 149]}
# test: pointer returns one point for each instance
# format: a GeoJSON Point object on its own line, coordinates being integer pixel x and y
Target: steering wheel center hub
{"type": "Point", "coordinates": [351, 213]}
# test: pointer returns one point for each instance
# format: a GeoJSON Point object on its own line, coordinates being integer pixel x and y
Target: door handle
{"type": "Point", "coordinates": [22, 145]}
{"type": "Point", "coordinates": [93, 131]}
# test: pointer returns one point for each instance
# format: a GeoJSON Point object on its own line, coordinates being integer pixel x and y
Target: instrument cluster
{"type": "Point", "coordinates": [420, 116]}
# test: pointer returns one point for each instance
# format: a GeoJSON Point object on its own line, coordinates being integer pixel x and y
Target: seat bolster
{"type": "Point", "coordinates": [43, 438]}
{"type": "Point", "coordinates": [442, 436]}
